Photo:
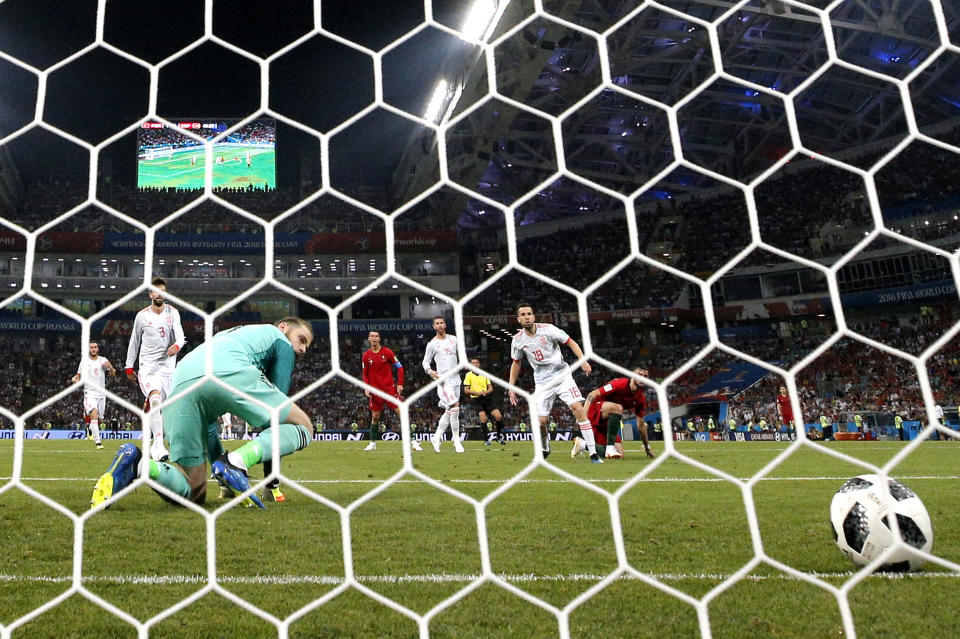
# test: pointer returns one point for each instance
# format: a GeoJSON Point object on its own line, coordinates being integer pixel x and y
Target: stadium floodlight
{"type": "Point", "coordinates": [437, 101]}
{"type": "Point", "coordinates": [478, 20]}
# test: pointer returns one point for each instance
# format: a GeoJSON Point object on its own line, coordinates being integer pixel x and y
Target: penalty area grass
{"type": "Point", "coordinates": [418, 545]}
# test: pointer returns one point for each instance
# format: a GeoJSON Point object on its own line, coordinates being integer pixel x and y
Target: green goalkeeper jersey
{"type": "Point", "coordinates": [261, 345]}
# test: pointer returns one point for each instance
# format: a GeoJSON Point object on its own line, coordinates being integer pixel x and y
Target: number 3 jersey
{"type": "Point", "coordinates": [153, 333]}
{"type": "Point", "coordinates": [543, 352]}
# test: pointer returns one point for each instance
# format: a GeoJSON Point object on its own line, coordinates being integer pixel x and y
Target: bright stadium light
{"type": "Point", "coordinates": [435, 107]}
{"type": "Point", "coordinates": [478, 20]}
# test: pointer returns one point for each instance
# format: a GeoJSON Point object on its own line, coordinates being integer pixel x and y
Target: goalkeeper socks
{"type": "Point", "coordinates": [214, 445]}
{"type": "Point", "coordinates": [374, 431]}
{"type": "Point", "coordinates": [293, 437]}
{"type": "Point", "coordinates": [586, 430]}
{"type": "Point", "coordinates": [95, 430]}
{"type": "Point", "coordinates": [614, 423]}
{"type": "Point", "coordinates": [170, 478]}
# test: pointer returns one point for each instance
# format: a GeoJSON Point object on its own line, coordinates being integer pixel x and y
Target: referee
{"type": "Point", "coordinates": [480, 389]}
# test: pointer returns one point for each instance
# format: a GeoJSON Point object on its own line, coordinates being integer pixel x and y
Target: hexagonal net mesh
{"type": "Point", "coordinates": [756, 172]}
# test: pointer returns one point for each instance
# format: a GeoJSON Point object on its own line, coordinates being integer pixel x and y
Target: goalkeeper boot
{"type": "Point", "coordinates": [235, 478]}
{"type": "Point", "coordinates": [120, 474]}
{"type": "Point", "coordinates": [578, 447]}
{"type": "Point", "coordinates": [595, 459]}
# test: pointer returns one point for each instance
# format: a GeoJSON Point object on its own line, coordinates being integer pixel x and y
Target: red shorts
{"type": "Point", "coordinates": [377, 403]}
{"type": "Point", "coordinates": [595, 415]}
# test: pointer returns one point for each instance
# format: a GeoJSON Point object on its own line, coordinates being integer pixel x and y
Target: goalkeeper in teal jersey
{"type": "Point", "coordinates": [257, 360]}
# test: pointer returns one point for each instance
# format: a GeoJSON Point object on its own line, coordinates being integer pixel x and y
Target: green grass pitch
{"type": "Point", "coordinates": [233, 172]}
{"type": "Point", "coordinates": [418, 546]}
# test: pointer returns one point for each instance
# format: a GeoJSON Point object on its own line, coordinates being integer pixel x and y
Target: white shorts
{"type": "Point", "coordinates": [155, 382]}
{"type": "Point", "coordinates": [565, 388]}
{"type": "Point", "coordinates": [449, 392]}
{"type": "Point", "coordinates": [92, 403]}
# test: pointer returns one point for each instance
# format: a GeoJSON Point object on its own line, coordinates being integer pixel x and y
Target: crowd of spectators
{"type": "Point", "coordinates": [849, 377]}
{"type": "Point", "coordinates": [256, 132]}
{"type": "Point", "coordinates": [797, 205]}
{"type": "Point", "coordinates": [576, 255]}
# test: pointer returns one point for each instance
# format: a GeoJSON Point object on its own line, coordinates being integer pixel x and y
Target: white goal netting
{"type": "Point", "coordinates": [631, 168]}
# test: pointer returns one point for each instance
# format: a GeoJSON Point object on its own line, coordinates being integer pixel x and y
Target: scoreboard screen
{"type": "Point", "coordinates": [241, 157]}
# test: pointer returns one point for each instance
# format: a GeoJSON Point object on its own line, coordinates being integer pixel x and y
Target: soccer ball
{"type": "Point", "coordinates": [859, 522]}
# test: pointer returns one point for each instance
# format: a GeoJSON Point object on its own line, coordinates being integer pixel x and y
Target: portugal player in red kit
{"type": "Point", "coordinates": [379, 363]}
{"type": "Point", "coordinates": [784, 409]}
{"type": "Point", "coordinates": [605, 407]}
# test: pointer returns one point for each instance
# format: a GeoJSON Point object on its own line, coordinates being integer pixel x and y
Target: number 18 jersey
{"type": "Point", "coordinates": [543, 352]}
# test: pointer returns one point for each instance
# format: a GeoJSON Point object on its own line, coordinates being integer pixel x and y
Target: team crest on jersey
{"type": "Point", "coordinates": [543, 342]}
{"type": "Point", "coordinates": [169, 319]}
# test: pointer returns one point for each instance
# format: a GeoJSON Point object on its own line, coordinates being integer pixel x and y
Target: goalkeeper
{"type": "Point", "coordinates": [257, 360]}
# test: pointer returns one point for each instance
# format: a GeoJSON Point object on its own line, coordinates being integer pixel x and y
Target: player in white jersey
{"type": "Point", "coordinates": [541, 345]}
{"type": "Point", "coordinates": [94, 397]}
{"type": "Point", "coordinates": [442, 352]}
{"type": "Point", "coordinates": [226, 422]}
{"type": "Point", "coordinates": [156, 339]}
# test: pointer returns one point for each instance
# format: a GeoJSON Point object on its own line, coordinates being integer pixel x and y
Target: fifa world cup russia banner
{"type": "Point", "coordinates": [34, 325]}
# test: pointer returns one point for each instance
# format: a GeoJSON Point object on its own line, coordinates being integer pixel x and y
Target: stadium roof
{"type": "Point", "coordinates": [736, 125]}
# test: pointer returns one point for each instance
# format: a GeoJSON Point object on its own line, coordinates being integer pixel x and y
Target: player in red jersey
{"type": "Point", "coordinates": [605, 407]}
{"type": "Point", "coordinates": [379, 363]}
{"type": "Point", "coordinates": [784, 409]}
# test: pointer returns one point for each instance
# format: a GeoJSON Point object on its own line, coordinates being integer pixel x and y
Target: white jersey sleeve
{"type": "Point", "coordinates": [428, 357]}
{"type": "Point", "coordinates": [443, 353]}
{"type": "Point", "coordinates": [133, 348]}
{"type": "Point", "coordinates": [179, 338]}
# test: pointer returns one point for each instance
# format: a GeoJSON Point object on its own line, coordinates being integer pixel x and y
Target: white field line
{"type": "Point", "coordinates": [599, 480]}
{"type": "Point", "coordinates": [333, 580]}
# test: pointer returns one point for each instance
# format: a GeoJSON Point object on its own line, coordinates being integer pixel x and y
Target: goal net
{"type": "Point", "coordinates": [744, 212]}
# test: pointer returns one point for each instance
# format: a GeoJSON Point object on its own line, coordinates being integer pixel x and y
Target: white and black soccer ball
{"type": "Point", "coordinates": [859, 520]}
